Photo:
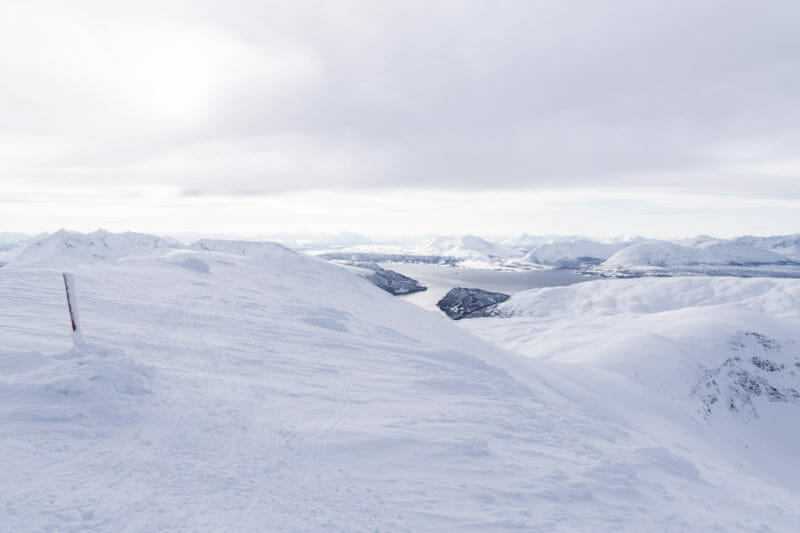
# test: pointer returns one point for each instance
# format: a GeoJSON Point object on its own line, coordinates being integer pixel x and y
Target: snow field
{"type": "Point", "coordinates": [247, 387]}
{"type": "Point", "coordinates": [716, 358]}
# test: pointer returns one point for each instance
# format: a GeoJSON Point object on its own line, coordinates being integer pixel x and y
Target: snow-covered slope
{"type": "Point", "coordinates": [9, 240]}
{"type": "Point", "coordinates": [10, 249]}
{"type": "Point", "coordinates": [526, 242]}
{"type": "Point", "coordinates": [64, 248]}
{"type": "Point", "coordinates": [692, 256]}
{"type": "Point", "coordinates": [225, 389]}
{"type": "Point", "coordinates": [714, 357]}
{"type": "Point", "coordinates": [10, 237]}
{"type": "Point", "coordinates": [735, 253]}
{"type": "Point", "coordinates": [471, 250]}
{"type": "Point", "coordinates": [658, 254]}
{"type": "Point", "coordinates": [573, 253]}
{"type": "Point", "coordinates": [255, 249]}
{"type": "Point", "coordinates": [786, 245]}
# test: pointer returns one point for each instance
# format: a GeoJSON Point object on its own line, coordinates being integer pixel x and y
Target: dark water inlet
{"type": "Point", "coordinates": [441, 278]}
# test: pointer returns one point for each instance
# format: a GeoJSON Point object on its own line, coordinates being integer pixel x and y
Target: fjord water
{"type": "Point", "coordinates": [441, 278]}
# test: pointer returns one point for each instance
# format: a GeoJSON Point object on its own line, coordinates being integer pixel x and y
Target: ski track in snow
{"type": "Point", "coordinates": [282, 393]}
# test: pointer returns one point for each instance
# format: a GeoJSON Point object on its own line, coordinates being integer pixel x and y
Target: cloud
{"type": "Point", "coordinates": [251, 97]}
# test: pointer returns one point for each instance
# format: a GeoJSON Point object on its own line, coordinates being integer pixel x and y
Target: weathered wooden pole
{"type": "Point", "coordinates": [72, 305]}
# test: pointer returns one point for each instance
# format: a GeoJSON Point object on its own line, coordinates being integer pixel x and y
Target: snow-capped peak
{"type": "Point", "coordinates": [68, 247]}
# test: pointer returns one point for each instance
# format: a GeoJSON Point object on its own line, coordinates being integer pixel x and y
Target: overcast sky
{"type": "Point", "coordinates": [600, 118]}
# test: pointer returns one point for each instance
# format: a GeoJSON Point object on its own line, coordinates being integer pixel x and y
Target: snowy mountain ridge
{"type": "Point", "coordinates": [760, 368]}
{"type": "Point", "coordinates": [777, 255]}
{"type": "Point", "coordinates": [243, 248]}
{"type": "Point", "coordinates": [720, 352]}
{"type": "Point", "coordinates": [63, 248]}
{"type": "Point", "coordinates": [573, 254]}
{"type": "Point", "coordinates": [615, 257]}
{"type": "Point", "coordinates": [467, 251]}
{"type": "Point", "coordinates": [276, 388]}
{"type": "Point", "coordinates": [667, 254]}
{"type": "Point", "coordinates": [786, 245]}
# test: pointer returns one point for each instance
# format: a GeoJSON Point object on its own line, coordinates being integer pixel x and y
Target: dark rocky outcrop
{"type": "Point", "coordinates": [761, 370]}
{"type": "Point", "coordinates": [394, 282]}
{"type": "Point", "coordinates": [461, 302]}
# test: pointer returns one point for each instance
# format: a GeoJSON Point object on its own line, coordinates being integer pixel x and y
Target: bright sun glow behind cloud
{"type": "Point", "coordinates": [247, 116]}
{"type": "Point", "coordinates": [116, 81]}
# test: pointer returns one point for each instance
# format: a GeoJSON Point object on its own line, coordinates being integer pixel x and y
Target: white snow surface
{"type": "Point", "coordinates": [468, 247]}
{"type": "Point", "coordinates": [708, 251]}
{"type": "Point", "coordinates": [65, 248]}
{"type": "Point", "coordinates": [235, 388]}
{"type": "Point", "coordinates": [557, 253]}
{"type": "Point", "coordinates": [707, 361]}
{"type": "Point", "coordinates": [786, 245]}
{"type": "Point", "coordinates": [9, 239]}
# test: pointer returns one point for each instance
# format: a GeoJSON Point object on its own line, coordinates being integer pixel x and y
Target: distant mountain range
{"type": "Point", "coordinates": [744, 256]}
{"type": "Point", "coordinates": [777, 256]}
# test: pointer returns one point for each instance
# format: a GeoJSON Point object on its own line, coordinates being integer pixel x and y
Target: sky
{"type": "Point", "coordinates": [661, 118]}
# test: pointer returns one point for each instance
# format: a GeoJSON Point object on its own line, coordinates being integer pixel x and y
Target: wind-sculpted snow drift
{"type": "Point", "coordinates": [274, 390]}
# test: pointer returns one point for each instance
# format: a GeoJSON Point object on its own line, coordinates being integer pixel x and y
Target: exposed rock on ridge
{"type": "Point", "coordinates": [394, 282]}
{"type": "Point", "coordinates": [462, 302]}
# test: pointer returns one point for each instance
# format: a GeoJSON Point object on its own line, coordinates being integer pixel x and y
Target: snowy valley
{"type": "Point", "coordinates": [233, 385]}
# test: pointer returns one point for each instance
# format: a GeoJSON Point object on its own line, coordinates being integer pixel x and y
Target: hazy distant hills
{"type": "Point", "coordinates": [776, 255]}
{"type": "Point", "coordinates": [621, 257]}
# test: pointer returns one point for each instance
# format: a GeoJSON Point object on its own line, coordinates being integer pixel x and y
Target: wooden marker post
{"type": "Point", "coordinates": [72, 305]}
